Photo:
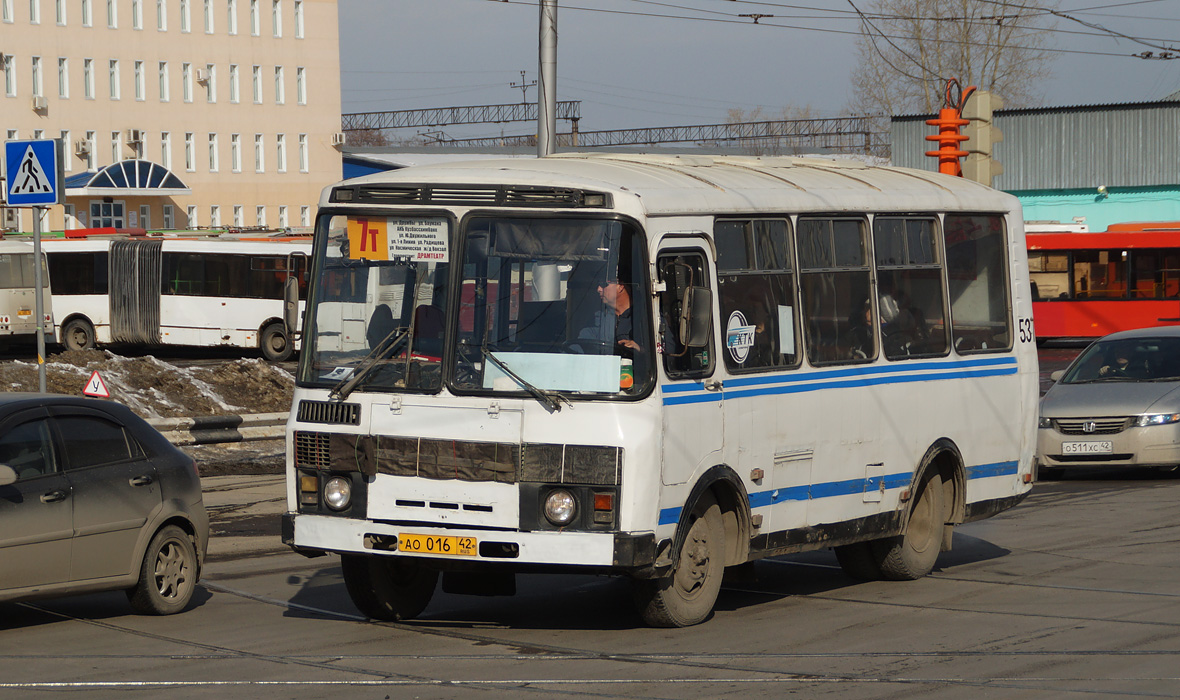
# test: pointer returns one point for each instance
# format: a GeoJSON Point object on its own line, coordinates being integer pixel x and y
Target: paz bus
{"type": "Point", "coordinates": [18, 290]}
{"type": "Point", "coordinates": [1087, 285]}
{"type": "Point", "coordinates": [175, 289]}
{"type": "Point", "coordinates": [655, 367]}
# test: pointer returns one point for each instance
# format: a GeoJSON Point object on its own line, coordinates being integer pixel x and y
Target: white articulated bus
{"type": "Point", "coordinates": [175, 290]}
{"type": "Point", "coordinates": [18, 288]}
{"type": "Point", "coordinates": [657, 367]}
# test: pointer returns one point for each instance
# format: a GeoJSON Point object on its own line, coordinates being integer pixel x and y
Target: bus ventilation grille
{"type": "Point", "coordinates": [329, 412]}
{"type": "Point", "coordinates": [312, 450]}
{"type": "Point", "coordinates": [473, 195]}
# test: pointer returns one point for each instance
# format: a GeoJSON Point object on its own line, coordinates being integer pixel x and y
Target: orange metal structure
{"type": "Point", "coordinates": [950, 119]}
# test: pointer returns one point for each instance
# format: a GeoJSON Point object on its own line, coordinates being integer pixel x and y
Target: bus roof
{"type": "Point", "coordinates": [657, 185]}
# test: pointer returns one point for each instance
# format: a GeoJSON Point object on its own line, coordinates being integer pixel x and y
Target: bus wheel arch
{"type": "Point", "coordinates": [273, 341]}
{"type": "Point", "coordinates": [77, 333]}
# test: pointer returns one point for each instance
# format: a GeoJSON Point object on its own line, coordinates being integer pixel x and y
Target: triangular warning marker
{"type": "Point", "coordinates": [30, 177]}
{"type": "Point", "coordinates": [95, 386]}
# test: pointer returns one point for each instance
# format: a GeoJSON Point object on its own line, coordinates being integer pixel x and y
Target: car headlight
{"type": "Point", "coordinates": [1156, 419]}
{"type": "Point", "coordinates": [1044, 422]}
{"type": "Point", "coordinates": [338, 493]}
{"type": "Point", "coordinates": [560, 507]}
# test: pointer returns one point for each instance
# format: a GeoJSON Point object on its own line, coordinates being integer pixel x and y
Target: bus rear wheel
{"type": "Point", "coordinates": [276, 346]}
{"type": "Point", "coordinates": [686, 595]}
{"type": "Point", "coordinates": [912, 555]}
{"type": "Point", "coordinates": [78, 334]}
{"type": "Point", "coordinates": [388, 588]}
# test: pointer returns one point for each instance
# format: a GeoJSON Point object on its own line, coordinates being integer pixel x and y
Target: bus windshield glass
{"type": "Point", "coordinates": [553, 304]}
{"type": "Point", "coordinates": [378, 312]}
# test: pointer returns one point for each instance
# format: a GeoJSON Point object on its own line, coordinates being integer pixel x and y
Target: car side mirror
{"type": "Point", "coordinates": [1056, 376]}
{"type": "Point", "coordinates": [696, 317]}
{"type": "Point", "coordinates": [7, 475]}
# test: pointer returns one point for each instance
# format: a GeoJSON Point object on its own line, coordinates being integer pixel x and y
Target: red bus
{"type": "Point", "coordinates": [1086, 285]}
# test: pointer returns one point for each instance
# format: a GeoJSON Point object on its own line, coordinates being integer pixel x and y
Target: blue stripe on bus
{"type": "Point", "coordinates": [800, 382]}
{"type": "Point", "coordinates": [759, 499]}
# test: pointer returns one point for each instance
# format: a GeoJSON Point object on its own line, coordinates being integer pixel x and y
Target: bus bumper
{"type": "Point", "coordinates": [312, 535]}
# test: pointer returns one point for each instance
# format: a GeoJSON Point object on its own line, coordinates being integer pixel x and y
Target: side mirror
{"type": "Point", "coordinates": [696, 317]}
{"type": "Point", "coordinates": [7, 475]}
{"type": "Point", "coordinates": [1056, 376]}
{"type": "Point", "coordinates": [291, 306]}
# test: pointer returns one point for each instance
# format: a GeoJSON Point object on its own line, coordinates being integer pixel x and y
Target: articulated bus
{"type": "Point", "coordinates": [1087, 285]}
{"type": "Point", "coordinates": [655, 367]}
{"type": "Point", "coordinates": [18, 288]}
{"type": "Point", "coordinates": [176, 290]}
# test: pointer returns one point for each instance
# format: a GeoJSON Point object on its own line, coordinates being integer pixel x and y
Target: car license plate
{"type": "Point", "coordinates": [1099, 447]}
{"type": "Point", "coordinates": [437, 544]}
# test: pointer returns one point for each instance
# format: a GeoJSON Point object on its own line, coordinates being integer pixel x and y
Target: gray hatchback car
{"type": "Point", "coordinates": [1116, 405]}
{"type": "Point", "coordinates": [92, 498]}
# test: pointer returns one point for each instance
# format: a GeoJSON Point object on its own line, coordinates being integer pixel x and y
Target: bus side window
{"type": "Point", "coordinates": [681, 272]}
{"type": "Point", "coordinates": [834, 279]}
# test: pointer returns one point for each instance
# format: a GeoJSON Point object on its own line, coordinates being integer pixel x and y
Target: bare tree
{"type": "Point", "coordinates": [367, 137]}
{"type": "Point", "coordinates": [909, 48]}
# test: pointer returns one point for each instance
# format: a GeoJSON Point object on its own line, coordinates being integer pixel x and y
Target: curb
{"type": "Point", "coordinates": [209, 430]}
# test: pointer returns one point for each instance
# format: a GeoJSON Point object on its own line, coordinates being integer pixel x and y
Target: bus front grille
{"type": "Point", "coordinates": [311, 450]}
{"type": "Point", "coordinates": [329, 412]}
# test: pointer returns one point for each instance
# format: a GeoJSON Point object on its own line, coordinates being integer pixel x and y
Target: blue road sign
{"type": "Point", "coordinates": [33, 175]}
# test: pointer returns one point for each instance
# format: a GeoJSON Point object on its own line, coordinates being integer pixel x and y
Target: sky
{"type": "Point", "coordinates": [647, 63]}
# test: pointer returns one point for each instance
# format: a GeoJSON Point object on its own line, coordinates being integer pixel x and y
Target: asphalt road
{"type": "Point", "coordinates": [1075, 593]}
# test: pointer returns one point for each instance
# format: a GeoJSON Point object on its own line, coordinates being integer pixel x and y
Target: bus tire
{"type": "Point", "coordinates": [388, 588]}
{"type": "Point", "coordinates": [912, 555]}
{"type": "Point", "coordinates": [858, 561]}
{"type": "Point", "coordinates": [78, 334]}
{"type": "Point", "coordinates": [168, 574]}
{"type": "Point", "coordinates": [275, 345]}
{"type": "Point", "coordinates": [686, 595]}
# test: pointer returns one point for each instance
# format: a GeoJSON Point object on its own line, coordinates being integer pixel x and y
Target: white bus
{"type": "Point", "coordinates": [18, 288]}
{"type": "Point", "coordinates": [657, 367]}
{"type": "Point", "coordinates": [175, 290]}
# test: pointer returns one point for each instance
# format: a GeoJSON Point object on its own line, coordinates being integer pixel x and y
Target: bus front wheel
{"type": "Point", "coordinates": [388, 588]}
{"type": "Point", "coordinates": [686, 595]}
{"type": "Point", "coordinates": [78, 334]}
{"type": "Point", "coordinates": [276, 346]}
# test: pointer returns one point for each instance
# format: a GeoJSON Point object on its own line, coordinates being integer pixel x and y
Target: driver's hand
{"type": "Point", "coordinates": [629, 344]}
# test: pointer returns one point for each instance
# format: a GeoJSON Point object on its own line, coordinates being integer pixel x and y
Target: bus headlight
{"type": "Point", "coordinates": [560, 507]}
{"type": "Point", "coordinates": [338, 493]}
{"type": "Point", "coordinates": [1157, 419]}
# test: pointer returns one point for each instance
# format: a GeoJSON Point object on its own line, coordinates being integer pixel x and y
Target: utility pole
{"type": "Point", "coordinates": [547, 79]}
{"type": "Point", "coordinates": [524, 97]}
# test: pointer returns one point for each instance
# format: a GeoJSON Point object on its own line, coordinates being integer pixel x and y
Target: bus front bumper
{"type": "Point", "coordinates": [626, 552]}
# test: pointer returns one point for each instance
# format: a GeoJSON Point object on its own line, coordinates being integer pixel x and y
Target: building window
{"type": "Point", "coordinates": [6, 11]}
{"type": "Point", "coordinates": [276, 18]}
{"type": "Point", "coordinates": [303, 153]}
{"type": "Point", "coordinates": [60, 7]}
{"type": "Point", "coordinates": [145, 216]}
{"type": "Point", "coordinates": [256, 73]}
{"type": "Point", "coordinates": [113, 74]}
{"type": "Point", "coordinates": [91, 142]}
{"type": "Point", "coordinates": [38, 87]}
{"type": "Point", "coordinates": [298, 19]}
{"type": "Point", "coordinates": [185, 17]}
{"type": "Point", "coordinates": [63, 78]}
{"type": "Point", "coordinates": [88, 78]}
{"type": "Point", "coordinates": [301, 85]}
{"type": "Point", "coordinates": [208, 16]}
{"type": "Point", "coordinates": [281, 153]}
{"type": "Point", "coordinates": [71, 221]}
{"type": "Point", "coordinates": [215, 216]}
{"type": "Point", "coordinates": [255, 21]}
{"type": "Point", "coordinates": [67, 148]}
{"type": "Point", "coordinates": [162, 15]}
{"type": "Point", "coordinates": [87, 14]}
{"type": "Point", "coordinates": [169, 217]}
{"type": "Point", "coordinates": [259, 155]}
{"type": "Point", "coordinates": [260, 215]}
{"type": "Point", "coordinates": [304, 215]}
{"type": "Point", "coordinates": [137, 14]}
{"type": "Point", "coordinates": [116, 146]}
{"type": "Point", "coordinates": [238, 217]}
{"type": "Point", "coordinates": [283, 222]}
{"type": "Point", "coordinates": [190, 160]}
{"type": "Point", "coordinates": [112, 14]}
{"type": "Point", "coordinates": [166, 151]}
{"type": "Point", "coordinates": [164, 81]}
{"type": "Point", "coordinates": [186, 81]}
{"type": "Point", "coordinates": [233, 83]}
{"type": "Point", "coordinates": [106, 214]}
{"type": "Point", "coordinates": [235, 152]}
{"type": "Point", "coordinates": [140, 85]}
{"type": "Point", "coordinates": [231, 16]}
{"type": "Point", "coordinates": [191, 215]}
{"type": "Point", "coordinates": [9, 76]}
{"type": "Point", "coordinates": [280, 91]}
{"type": "Point", "coordinates": [212, 153]}
{"type": "Point", "coordinates": [34, 11]}
{"type": "Point", "coordinates": [210, 83]}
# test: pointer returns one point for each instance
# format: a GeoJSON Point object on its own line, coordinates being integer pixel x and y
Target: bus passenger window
{"type": "Point", "coordinates": [756, 283]}
{"type": "Point", "coordinates": [976, 255]}
{"type": "Point", "coordinates": [909, 287]}
{"type": "Point", "coordinates": [834, 279]}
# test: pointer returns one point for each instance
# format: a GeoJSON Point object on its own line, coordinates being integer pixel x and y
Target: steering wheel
{"type": "Point", "coordinates": [581, 345]}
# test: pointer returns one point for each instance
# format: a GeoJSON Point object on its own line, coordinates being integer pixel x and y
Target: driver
{"type": "Point", "coordinates": [616, 296]}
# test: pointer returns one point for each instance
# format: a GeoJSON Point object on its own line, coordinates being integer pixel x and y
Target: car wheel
{"type": "Point", "coordinates": [78, 334]}
{"type": "Point", "coordinates": [686, 595]}
{"type": "Point", "coordinates": [168, 575]}
{"type": "Point", "coordinates": [388, 588]}
{"type": "Point", "coordinates": [276, 346]}
{"type": "Point", "coordinates": [912, 555]}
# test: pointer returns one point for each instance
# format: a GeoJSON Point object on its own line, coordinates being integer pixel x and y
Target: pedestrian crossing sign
{"type": "Point", "coordinates": [33, 173]}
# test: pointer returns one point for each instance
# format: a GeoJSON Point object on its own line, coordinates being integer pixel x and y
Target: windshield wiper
{"type": "Point", "coordinates": [550, 401]}
{"type": "Point", "coordinates": [346, 386]}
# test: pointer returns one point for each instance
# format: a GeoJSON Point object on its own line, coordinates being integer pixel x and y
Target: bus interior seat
{"type": "Point", "coordinates": [541, 324]}
{"type": "Point", "coordinates": [381, 324]}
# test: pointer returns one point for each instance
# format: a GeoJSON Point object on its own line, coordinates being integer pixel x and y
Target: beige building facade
{"type": "Point", "coordinates": [238, 99]}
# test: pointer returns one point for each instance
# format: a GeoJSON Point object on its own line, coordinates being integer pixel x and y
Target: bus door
{"type": "Point", "coordinates": [693, 420]}
{"type": "Point", "coordinates": [135, 268]}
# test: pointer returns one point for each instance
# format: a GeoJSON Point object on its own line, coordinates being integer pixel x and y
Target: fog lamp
{"type": "Point", "coordinates": [560, 507]}
{"type": "Point", "coordinates": [1045, 422]}
{"type": "Point", "coordinates": [338, 493]}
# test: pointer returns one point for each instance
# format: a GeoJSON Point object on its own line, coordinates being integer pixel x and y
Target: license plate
{"type": "Point", "coordinates": [1099, 447]}
{"type": "Point", "coordinates": [437, 544]}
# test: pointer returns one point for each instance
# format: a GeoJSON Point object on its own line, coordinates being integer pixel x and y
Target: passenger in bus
{"type": "Point", "coordinates": [859, 336]}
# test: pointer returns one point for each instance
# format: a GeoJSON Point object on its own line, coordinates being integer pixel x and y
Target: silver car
{"type": "Point", "coordinates": [92, 498]}
{"type": "Point", "coordinates": [1116, 405]}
